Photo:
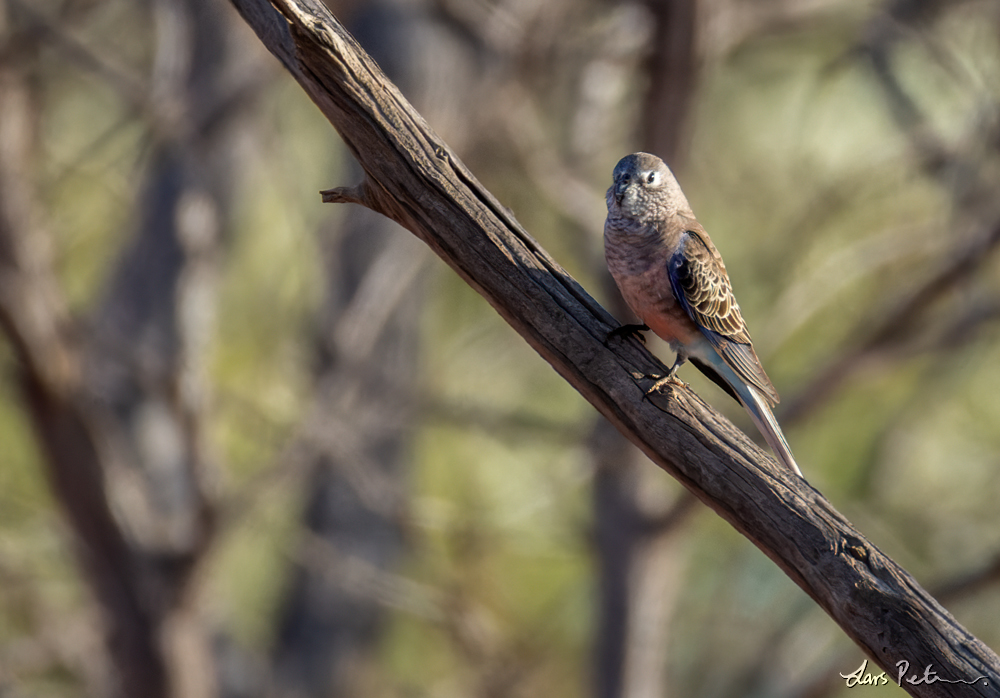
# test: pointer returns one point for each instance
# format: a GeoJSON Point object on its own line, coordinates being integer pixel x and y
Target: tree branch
{"type": "Point", "coordinates": [415, 179]}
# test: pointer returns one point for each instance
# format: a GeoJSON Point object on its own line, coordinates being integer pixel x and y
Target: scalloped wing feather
{"type": "Point", "coordinates": [701, 284]}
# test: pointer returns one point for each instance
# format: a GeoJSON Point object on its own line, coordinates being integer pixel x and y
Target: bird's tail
{"type": "Point", "coordinates": [760, 412]}
{"type": "Point", "coordinates": [753, 401]}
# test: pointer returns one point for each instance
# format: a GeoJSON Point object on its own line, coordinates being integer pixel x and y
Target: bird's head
{"type": "Point", "coordinates": [644, 186]}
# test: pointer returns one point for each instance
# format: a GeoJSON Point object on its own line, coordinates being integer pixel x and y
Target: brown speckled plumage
{"type": "Point", "coordinates": [675, 281]}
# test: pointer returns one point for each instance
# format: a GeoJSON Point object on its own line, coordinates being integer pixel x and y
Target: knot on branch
{"type": "Point", "coordinates": [358, 194]}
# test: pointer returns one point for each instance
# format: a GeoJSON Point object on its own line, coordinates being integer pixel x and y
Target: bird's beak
{"type": "Point", "coordinates": [620, 187]}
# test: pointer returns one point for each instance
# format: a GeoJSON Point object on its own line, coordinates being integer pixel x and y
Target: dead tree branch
{"type": "Point", "coordinates": [413, 177]}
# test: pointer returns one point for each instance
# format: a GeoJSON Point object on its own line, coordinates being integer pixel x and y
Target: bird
{"type": "Point", "coordinates": [674, 280]}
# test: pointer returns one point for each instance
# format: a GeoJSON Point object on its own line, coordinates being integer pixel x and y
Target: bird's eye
{"type": "Point", "coordinates": [651, 178]}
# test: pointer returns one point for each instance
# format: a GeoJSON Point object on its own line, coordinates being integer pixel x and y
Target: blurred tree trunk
{"type": "Point", "coordinates": [366, 376]}
{"type": "Point", "coordinates": [671, 71]}
{"type": "Point", "coordinates": [356, 490]}
{"type": "Point", "coordinates": [640, 559]}
{"type": "Point", "coordinates": [146, 357]}
{"type": "Point", "coordinates": [121, 427]}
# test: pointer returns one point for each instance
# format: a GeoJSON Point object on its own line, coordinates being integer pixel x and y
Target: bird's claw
{"type": "Point", "coordinates": [661, 381]}
{"type": "Point", "coordinates": [628, 331]}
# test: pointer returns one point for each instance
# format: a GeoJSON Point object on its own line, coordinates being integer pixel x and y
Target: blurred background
{"type": "Point", "coordinates": [252, 445]}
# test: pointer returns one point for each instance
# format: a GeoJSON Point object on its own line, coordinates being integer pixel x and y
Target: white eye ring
{"type": "Point", "coordinates": [651, 178]}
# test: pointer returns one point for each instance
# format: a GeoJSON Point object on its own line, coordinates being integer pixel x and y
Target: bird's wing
{"type": "Point", "coordinates": [701, 284]}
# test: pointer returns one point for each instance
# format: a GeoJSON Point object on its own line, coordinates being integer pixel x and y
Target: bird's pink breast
{"type": "Point", "coordinates": [650, 297]}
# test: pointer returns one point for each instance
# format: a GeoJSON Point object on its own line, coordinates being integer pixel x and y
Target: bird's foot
{"type": "Point", "coordinates": [628, 331]}
{"type": "Point", "coordinates": [661, 382]}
